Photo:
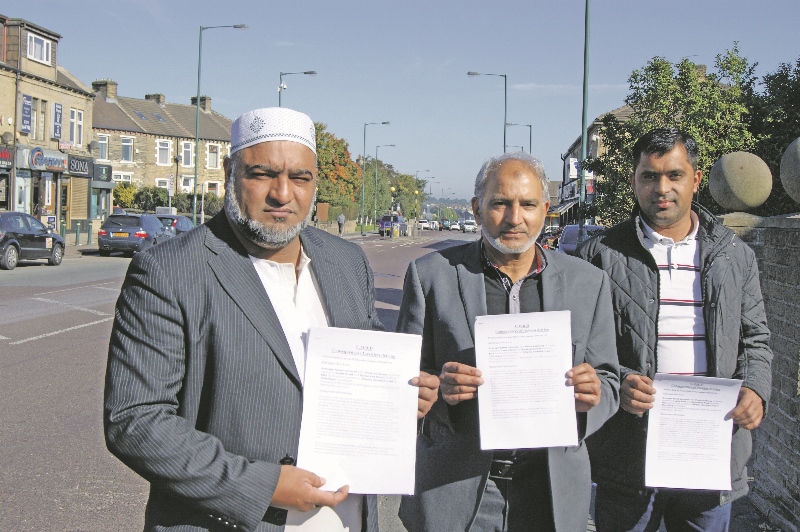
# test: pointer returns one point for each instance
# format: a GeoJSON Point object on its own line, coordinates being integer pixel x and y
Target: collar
{"type": "Point", "coordinates": [655, 237]}
{"type": "Point", "coordinates": [539, 264]}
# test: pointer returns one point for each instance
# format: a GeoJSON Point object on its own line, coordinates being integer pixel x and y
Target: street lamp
{"type": "Point", "coordinates": [521, 148]}
{"type": "Point", "coordinates": [363, 171]}
{"type": "Point", "coordinates": [197, 113]}
{"type": "Point", "coordinates": [584, 117]}
{"type": "Point", "coordinates": [282, 85]}
{"type": "Point", "coordinates": [505, 100]}
{"type": "Point", "coordinates": [530, 134]}
{"type": "Point", "coordinates": [375, 200]}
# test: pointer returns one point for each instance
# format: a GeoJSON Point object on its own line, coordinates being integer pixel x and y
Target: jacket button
{"type": "Point", "coordinates": [287, 460]}
{"type": "Point", "coordinates": [713, 305]}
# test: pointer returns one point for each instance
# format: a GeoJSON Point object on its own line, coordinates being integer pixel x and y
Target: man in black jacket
{"type": "Point", "coordinates": [686, 300]}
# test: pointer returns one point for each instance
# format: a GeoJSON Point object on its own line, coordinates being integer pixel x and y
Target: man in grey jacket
{"type": "Point", "coordinates": [686, 300]}
{"type": "Point", "coordinates": [459, 486]}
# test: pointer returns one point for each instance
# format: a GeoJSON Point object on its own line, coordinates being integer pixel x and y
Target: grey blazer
{"type": "Point", "coordinates": [443, 293]}
{"type": "Point", "coordinates": [202, 396]}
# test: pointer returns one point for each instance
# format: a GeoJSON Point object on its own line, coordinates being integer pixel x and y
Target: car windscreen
{"type": "Point", "coordinates": [167, 222]}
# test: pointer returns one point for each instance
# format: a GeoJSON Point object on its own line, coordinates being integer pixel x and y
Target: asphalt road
{"type": "Point", "coordinates": [55, 323]}
{"type": "Point", "coordinates": [55, 472]}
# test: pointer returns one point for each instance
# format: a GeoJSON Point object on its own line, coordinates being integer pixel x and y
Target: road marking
{"type": "Point", "coordinates": [4, 338]}
{"type": "Point", "coordinates": [77, 288]}
{"type": "Point", "coordinates": [74, 307]}
{"type": "Point", "coordinates": [59, 332]}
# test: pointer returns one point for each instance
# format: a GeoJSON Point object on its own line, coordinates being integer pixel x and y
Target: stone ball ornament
{"type": "Point", "coordinates": [740, 181]}
{"type": "Point", "coordinates": [790, 170]}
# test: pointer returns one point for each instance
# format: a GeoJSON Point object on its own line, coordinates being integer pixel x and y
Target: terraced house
{"type": "Point", "coordinates": [150, 142]}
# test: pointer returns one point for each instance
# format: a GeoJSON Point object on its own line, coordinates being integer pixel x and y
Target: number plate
{"type": "Point", "coordinates": [121, 235]}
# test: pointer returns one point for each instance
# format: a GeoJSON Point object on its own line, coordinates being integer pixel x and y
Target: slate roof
{"type": "Point", "coordinates": [168, 120]}
{"type": "Point", "coordinates": [621, 113]}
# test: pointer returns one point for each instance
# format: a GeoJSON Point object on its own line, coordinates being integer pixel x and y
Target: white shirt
{"type": "Point", "coordinates": [681, 344]}
{"type": "Point", "coordinates": [297, 301]}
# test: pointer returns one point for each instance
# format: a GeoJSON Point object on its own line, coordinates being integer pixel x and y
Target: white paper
{"type": "Point", "coordinates": [688, 437]}
{"type": "Point", "coordinates": [359, 422]}
{"type": "Point", "coordinates": [524, 402]}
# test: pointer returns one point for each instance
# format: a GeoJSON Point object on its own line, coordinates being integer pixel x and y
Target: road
{"type": "Point", "coordinates": [55, 323]}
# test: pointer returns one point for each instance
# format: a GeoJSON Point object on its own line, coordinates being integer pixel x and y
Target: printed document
{"type": "Point", "coordinates": [359, 422]}
{"type": "Point", "coordinates": [688, 437]}
{"type": "Point", "coordinates": [524, 402]}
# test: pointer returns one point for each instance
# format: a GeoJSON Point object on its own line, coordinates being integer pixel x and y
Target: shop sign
{"type": "Point", "coordinates": [79, 166]}
{"type": "Point", "coordinates": [6, 157]}
{"type": "Point", "coordinates": [56, 114]}
{"type": "Point", "coordinates": [102, 172]}
{"type": "Point", "coordinates": [40, 159]}
{"type": "Point", "coordinates": [27, 104]}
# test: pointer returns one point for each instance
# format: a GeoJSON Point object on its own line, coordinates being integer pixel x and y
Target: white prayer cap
{"type": "Point", "coordinates": [272, 123]}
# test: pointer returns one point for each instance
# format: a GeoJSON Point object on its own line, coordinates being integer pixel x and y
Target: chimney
{"type": "Point", "coordinates": [106, 87]}
{"type": "Point", "coordinates": [158, 98]}
{"type": "Point", "coordinates": [205, 103]}
{"type": "Point", "coordinates": [700, 71]}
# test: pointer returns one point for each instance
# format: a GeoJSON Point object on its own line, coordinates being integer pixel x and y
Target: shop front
{"type": "Point", "coordinates": [102, 187]}
{"type": "Point", "coordinates": [80, 173]}
{"type": "Point", "coordinates": [38, 183]}
{"type": "Point", "coordinates": [6, 164]}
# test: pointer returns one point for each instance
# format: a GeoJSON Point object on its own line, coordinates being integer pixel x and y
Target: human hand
{"type": "Point", "coordinates": [749, 409]}
{"type": "Point", "coordinates": [636, 394]}
{"type": "Point", "coordinates": [428, 392]}
{"type": "Point", "coordinates": [459, 382]}
{"type": "Point", "coordinates": [298, 489]}
{"type": "Point", "coordinates": [586, 385]}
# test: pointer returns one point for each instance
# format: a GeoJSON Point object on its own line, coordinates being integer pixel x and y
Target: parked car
{"type": "Point", "coordinates": [389, 219]}
{"type": "Point", "coordinates": [118, 210]}
{"type": "Point", "coordinates": [469, 226]}
{"type": "Point", "coordinates": [435, 225]}
{"type": "Point", "coordinates": [130, 233]}
{"type": "Point", "coordinates": [446, 224]}
{"type": "Point", "coordinates": [23, 237]}
{"type": "Point", "coordinates": [177, 224]}
{"type": "Point", "coordinates": [568, 241]}
{"type": "Point", "coordinates": [455, 226]}
{"type": "Point", "coordinates": [423, 224]}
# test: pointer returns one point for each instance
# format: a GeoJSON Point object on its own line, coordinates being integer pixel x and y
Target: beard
{"type": "Point", "coordinates": [506, 249]}
{"type": "Point", "coordinates": [268, 237]}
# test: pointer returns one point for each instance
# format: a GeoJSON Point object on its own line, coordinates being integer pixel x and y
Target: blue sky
{"type": "Point", "coordinates": [406, 62]}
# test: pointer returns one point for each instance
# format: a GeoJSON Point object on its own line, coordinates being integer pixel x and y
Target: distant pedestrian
{"type": "Point", "coordinates": [341, 220]}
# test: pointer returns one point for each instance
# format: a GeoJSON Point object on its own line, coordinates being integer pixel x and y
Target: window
{"type": "Point", "coordinates": [121, 177]}
{"type": "Point", "coordinates": [213, 156]}
{"type": "Point", "coordinates": [34, 118]}
{"type": "Point", "coordinates": [76, 126]}
{"type": "Point", "coordinates": [102, 152]}
{"type": "Point", "coordinates": [42, 119]}
{"type": "Point", "coordinates": [38, 49]}
{"type": "Point", "coordinates": [162, 152]}
{"type": "Point", "coordinates": [187, 183]}
{"type": "Point", "coordinates": [213, 187]}
{"type": "Point", "coordinates": [127, 149]}
{"type": "Point", "coordinates": [187, 157]}
{"type": "Point", "coordinates": [162, 183]}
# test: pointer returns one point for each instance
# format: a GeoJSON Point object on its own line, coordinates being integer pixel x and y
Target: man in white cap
{"type": "Point", "coordinates": [206, 361]}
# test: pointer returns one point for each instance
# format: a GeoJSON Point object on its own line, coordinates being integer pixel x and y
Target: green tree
{"type": "Point", "coordinates": [339, 178]}
{"type": "Point", "coordinates": [125, 194]}
{"type": "Point", "coordinates": [710, 107]}
{"type": "Point", "coordinates": [148, 198]}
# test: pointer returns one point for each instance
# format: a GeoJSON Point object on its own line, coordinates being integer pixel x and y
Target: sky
{"type": "Point", "coordinates": [406, 62]}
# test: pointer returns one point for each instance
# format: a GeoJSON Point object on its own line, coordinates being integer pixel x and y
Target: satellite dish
{"type": "Point", "coordinates": [8, 137]}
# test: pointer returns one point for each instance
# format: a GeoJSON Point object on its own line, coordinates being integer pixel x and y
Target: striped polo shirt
{"type": "Point", "coordinates": [681, 347]}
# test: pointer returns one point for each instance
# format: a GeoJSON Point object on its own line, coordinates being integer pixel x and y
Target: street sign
{"type": "Point", "coordinates": [171, 187]}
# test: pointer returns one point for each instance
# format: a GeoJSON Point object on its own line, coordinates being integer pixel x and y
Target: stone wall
{"type": "Point", "coordinates": [775, 466]}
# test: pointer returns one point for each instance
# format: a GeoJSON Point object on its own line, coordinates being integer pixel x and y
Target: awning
{"type": "Point", "coordinates": [561, 208]}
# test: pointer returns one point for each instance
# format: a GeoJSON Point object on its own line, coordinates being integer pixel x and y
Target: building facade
{"type": "Point", "coordinates": [151, 142]}
{"type": "Point", "coordinates": [46, 168]}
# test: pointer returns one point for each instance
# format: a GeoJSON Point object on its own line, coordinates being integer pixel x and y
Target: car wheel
{"type": "Point", "coordinates": [104, 253]}
{"type": "Point", "coordinates": [56, 256]}
{"type": "Point", "coordinates": [9, 259]}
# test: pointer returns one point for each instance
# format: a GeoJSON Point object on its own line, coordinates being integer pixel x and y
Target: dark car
{"type": "Point", "coordinates": [568, 241]}
{"type": "Point", "coordinates": [177, 224]}
{"type": "Point", "coordinates": [386, 224]}
{"type": "Point", "coordinates": [23, 237]}
{"type": "Point", "coordinates": [130, 233]}
{"type": "Point", "coordinates": [445, 225]}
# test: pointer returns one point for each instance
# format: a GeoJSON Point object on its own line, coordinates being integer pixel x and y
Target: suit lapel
{"type": "Point", "coordinates": [471, 285]}
{"type": "Point", "coordinates": [553, 285]}
{"type": "Point", "coordinates": [238, 277]}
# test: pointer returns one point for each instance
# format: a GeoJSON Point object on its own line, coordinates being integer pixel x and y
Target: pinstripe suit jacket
{"type": "Point", "coordinates": [202, 396]}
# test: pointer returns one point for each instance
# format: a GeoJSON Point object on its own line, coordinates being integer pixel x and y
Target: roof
{"type": "Point", "coordinates": [622, 114]}
{"type": "Point", "coordinates": [63, 77]}
{"type": "Point", "coordinates": [561, 208]}
{"type": "Point", "coordinates": [168, 120]}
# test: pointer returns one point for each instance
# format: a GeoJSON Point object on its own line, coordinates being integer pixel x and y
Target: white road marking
{"type": "Point", "coordinates": [4, 338]}
{"type": "Point", "coordinates": [74, 307]}
{"type": "Point", "coordinates": [59, 332]}
{"type": "Point", "coordinates": [77, 288]}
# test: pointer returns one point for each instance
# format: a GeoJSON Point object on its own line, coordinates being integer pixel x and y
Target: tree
{"type": "Point", "coordinates": [148, 198]}
{"type": "Point", "coordinates": [339, 177]}
{"type": "Point", "coordinates": [712, 108]}
{"type": "Point", "coordinates": [125, 194]}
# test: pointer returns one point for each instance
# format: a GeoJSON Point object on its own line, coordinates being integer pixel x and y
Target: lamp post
{"type": "Point", "coordinates": [197, 112]}
{"type": "Point", "coordinates": [282, 85]}
{"type": "Point", "coordinates": [375, 200]}
{"type": "Point", "coordinates": [430, 188]}
{"type": "Point", "coordinates": [582, 201]}
{"type": "Point", "coordinates": [440, 205]}
{"type": "Point", "coordinates": [521, 148]}
{"type": "Point", "coordinates": [530, 134]}
{"type": "Point", "coordinates": [505, 99]}
{"type": "Point", "coordinates": [363, 164]}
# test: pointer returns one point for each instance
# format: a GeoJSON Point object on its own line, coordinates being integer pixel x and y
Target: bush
{"type": "Point", "coordinates": [182, 202]}
{"type": "Point", "coordinates": [125, 195]}
{"type": "Point", "coordinates": [148, 198]}
{"type": "Point", "coordinates": [213, 204]}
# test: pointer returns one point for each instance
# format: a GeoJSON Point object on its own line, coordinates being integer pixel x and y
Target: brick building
{"type": "Point", "coordinates": [46, 168]}
{"type": "Point", "coordinates": [148, 140]}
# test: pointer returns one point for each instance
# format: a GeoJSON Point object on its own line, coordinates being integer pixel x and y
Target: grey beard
{"type": "Point", "coordinates": [508, 250]}
{"type": "Point", "coordinates": [258, 233]}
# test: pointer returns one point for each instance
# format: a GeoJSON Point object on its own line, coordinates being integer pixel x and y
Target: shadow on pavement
{"type": "Point", "coordinates": [443, 244]}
